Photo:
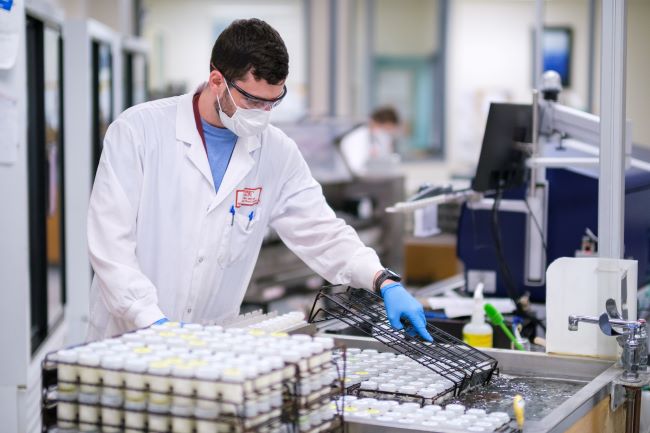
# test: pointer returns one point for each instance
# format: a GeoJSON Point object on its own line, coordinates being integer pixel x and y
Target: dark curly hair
{"type": "Point", "coordinates": [386, 114]}
{"type": "Point", "coordinates": [250, 45]}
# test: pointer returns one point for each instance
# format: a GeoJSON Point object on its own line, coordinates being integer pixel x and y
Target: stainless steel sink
{"type": "Point", "coordinates": [596, 375]}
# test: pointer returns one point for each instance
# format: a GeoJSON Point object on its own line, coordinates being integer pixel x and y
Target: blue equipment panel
{"type": "Point", "coordinates": [573, 207]}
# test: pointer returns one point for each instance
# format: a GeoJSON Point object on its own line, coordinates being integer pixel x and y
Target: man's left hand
{"type": "Point", "coordinates": [399, 303]}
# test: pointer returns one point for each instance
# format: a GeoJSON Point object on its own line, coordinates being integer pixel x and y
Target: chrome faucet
{"type": "Point", "coordinates": [574, 320]}
{"type": "Point", "coordinates": [631, 336]}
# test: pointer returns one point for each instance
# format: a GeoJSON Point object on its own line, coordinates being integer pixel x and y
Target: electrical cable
{"type": "Point", "coordinates": [511, 288]}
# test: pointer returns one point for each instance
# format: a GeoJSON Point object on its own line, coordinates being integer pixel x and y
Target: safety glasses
{"type": "Point", "coordinates": [256, 102]}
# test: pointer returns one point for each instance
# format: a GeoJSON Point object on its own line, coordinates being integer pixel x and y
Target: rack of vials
{"type": "Point", "coordinates": [396, 415]}
{"type": "Point", "coordinates": [385, 375]}
{"type": "Point", "coordinates": [190, 378]}
{"type": "Point", "coordinates": [437, 371]}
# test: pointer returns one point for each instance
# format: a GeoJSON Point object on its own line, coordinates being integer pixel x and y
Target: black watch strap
{"type": "Point", "coordinates": [384, 275]}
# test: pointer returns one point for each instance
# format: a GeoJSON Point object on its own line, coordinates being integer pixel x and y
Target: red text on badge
{"type": "Point", "coordinates": [248, 196]}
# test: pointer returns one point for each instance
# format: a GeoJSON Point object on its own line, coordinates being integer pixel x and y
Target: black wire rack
{"type": "Point", "coordinates": [447, 356]}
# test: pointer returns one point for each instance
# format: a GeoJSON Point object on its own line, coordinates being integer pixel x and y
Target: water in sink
{"type": "Point", "coordinates": [542, 395]}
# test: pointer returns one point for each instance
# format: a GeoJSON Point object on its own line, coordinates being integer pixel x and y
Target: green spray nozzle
{"type": "Point", "coordinates": [497, 319]}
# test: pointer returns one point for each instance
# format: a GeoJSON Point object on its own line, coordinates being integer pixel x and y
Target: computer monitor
{"type": "Point", "coordinates": [502, 164]}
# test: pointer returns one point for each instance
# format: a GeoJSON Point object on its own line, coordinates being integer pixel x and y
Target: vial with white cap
{"type": "Point", "coordinates": [193, 326]}
{"type": "Point", "coordinates": [111, 375]}
{"type": "Point", "coordinates": [134, 369]}
{"type": "Point", "coordinates": [259, 374]}
{"type": "Point", "coordinates": [369, 385]}
{"type": "Point", "coordinates": [207, 388]}
{"type": "Point", "coordinates": [89, 372]}
{"type": "Point", "coordinates": [291, 358]}
{"type": "Point", "coordinates": [67, 370]}
{"type": "Point", "coordinates": [407, 389]}
{"type": "Point", "coordinates": [456, 408]}
{"type": "Point", "coordinates": [277, 364]}
{"type": "Point", "coordinates": [183, 385]}
{"type": "Point", "coordinates": [159, 383]}
{"type": "Point", "coordinates": [387, 387]}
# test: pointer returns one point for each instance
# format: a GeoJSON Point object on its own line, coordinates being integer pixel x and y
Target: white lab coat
{"type": "Point", "coordinates": [359, 147]}
{"type": "Point", "coordinates": [163, 244]}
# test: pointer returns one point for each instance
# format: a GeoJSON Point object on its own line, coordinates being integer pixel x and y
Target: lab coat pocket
{"type": "Point", "coordinates": [237, 238]}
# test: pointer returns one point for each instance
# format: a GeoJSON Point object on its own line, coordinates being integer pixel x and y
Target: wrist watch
{"type": "Point", "coordinates": [384, 275]}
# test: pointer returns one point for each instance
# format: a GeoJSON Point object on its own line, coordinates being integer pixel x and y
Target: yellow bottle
{"type": "Point", "coordinates": [477, 332]}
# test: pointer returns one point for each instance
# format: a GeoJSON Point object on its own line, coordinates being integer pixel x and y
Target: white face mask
{"type": "Point", "coordinates": [244, 122]}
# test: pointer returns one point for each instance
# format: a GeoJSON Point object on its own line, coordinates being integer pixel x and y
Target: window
{"type": "Point", "coordinates": [407, 69]}
{"type": "Point", "coordinates": [45, 165]}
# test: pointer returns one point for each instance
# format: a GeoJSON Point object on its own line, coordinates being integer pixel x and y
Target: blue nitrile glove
{"type": "Point", "coordinates": [399, 303]}
{"type": "Point", "coordinates": [161, 321]}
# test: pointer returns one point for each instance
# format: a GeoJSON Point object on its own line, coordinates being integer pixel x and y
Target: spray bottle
{"type": "Point", "coordinates": [477, 332]}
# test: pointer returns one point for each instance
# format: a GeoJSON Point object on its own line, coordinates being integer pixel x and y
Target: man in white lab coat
{"type": "Point", "coordinates": [372, 145]}
{"type": "Point", "coordinates": [186, 187]}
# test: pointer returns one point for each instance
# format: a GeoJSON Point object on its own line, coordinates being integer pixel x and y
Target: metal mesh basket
{"type": "Point", "coordinates": [447, 356]}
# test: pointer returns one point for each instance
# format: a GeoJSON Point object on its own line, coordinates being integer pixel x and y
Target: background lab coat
{"type": "Point", "coordinates": [359, 147]}
{"type": "Point", "coordinates": [161, 241]}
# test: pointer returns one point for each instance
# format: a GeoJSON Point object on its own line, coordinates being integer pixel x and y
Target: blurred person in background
{"type": "Point", "coordinates": [371, 146]}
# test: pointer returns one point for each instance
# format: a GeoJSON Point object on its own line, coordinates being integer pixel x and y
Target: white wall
{"type": "Point", "coordinates": [489, 58]}
{"type": "Point", "coordinates": [489, 52]}
{"type": "Point", "coordinates": [181, 37]}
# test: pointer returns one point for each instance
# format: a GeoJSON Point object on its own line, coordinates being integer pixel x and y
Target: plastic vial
{"type": "Point", "coordinates": [134, 380]}
{"type": "Point", "coordinates": [88, 412]}
{"type": "Point", "coordinates": [303, 420]}
{"type": "Point", "coordinates": [456, 408]}
{"type": "Point", "coordinates": [159, 383]}
{"type": "Point", "coordinates": [158, 417]}
{"type": "Point", "coordinates": [182, 421]}
{"type": "Point", "coordinates": [477, 412]}
{"type": "Point", "coordinates": [428, 392]}
{"type": "Point", "coordinates": [66, 412]}
{"type": "Point", "coordinates": [67, 370]}
{"type": "Point", "coordinates": [369, 385]}
{"type": "Point", "coordinates": [264, 404]}
{"type": "Point", "coordinates": [431, 409]}
{"type": "Point", "coordinates": [89, 372]}
{"type": "Point", "coordinates": [183, 385]}
{"type": "Point", "coordinates": [276, 398]}
{"type": "Point", "coordinates": [207, 389]}
{"type": "Point", "coordinates": [111, 375]}
{"type": "Point", "coordinates": [277, 364]}
{"type": "Point", "coordinates": [407, 389]}
{"type": "Point", "coordinates": [315, 418]}
{"type": "Point", "coordinates": [111, 411]}
{"type": "Point", "coordinates": [387, 387]}
{"type": "Point", "coordinates": [259, 374]}
{"type": "Point", "coordinates": [206, 420]}
{"type": "Point", "coordinates": [134, 416]}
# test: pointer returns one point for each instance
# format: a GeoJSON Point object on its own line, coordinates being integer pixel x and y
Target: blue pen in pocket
{"type": "Point", "coordinates": [250, 218]}
{"type": "Point", "coordinates": [232, 212]}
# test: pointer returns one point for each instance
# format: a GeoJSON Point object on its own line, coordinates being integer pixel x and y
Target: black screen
{"type": "Point", "coordinates": [502, 164]}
